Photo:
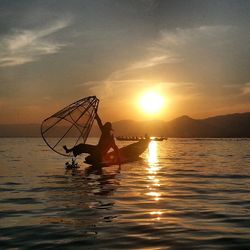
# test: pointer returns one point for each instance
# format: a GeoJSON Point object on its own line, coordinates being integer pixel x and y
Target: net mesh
{"type": "Point", "coordinates": [71, 125]}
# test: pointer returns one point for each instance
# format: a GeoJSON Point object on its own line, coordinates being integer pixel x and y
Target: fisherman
{"type": "Point", "coordinates": [106, 142]}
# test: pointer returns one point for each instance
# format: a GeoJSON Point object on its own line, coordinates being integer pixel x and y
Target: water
{"type": "Point", "coordinates": [183, 194]}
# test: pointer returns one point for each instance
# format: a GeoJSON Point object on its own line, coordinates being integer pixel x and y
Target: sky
{"type": "Point", "coordinates": [194, 53]}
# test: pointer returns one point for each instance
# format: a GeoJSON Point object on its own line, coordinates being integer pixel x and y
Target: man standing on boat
{"type": "Point", "coordinates": [98, 152]}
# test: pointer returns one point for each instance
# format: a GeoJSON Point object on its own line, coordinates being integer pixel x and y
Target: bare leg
{"type": "Point", "coordinates": [81, 148]}
{"type": "Point", "coordinates": [66, 149]}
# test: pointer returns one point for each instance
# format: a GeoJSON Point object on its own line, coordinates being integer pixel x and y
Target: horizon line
{"type": "Point", "coordinates": [148, 120]}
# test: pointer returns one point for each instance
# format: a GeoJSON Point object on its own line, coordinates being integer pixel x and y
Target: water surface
{"type": "Point", "coordinates": [182, 194]}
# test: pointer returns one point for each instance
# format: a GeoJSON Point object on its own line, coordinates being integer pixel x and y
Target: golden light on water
{"type": "Point", "coordinates": [153, 169]}
{"type": "Point", "coordinates": [154, 181]}
{"type": "Point", "coordinates": [157, 214]}
{"type": "Point", "coordinates": [152, 153]}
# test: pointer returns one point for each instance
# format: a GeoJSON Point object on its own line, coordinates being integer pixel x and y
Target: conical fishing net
{"type": "Point", "coordinates": [71, 125]}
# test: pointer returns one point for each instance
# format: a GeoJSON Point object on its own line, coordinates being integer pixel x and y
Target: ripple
{"type": "Point", "coordinates": [12, 183]}
{"type": "Point", "coordinates": [6, 189]}
{"type": "Point", "coordinates": [193, 194]}
{"type": "Point", "coordinates": [20, 201]}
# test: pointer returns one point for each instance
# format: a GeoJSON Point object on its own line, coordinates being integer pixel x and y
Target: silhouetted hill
{"type": "Point", "coordinates": [185, 126]}
{"type": "Point", "coordinates": [233, 125]}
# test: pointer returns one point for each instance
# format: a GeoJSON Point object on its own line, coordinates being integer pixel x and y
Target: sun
{"type": "Point", "coordinates": [152, 103]}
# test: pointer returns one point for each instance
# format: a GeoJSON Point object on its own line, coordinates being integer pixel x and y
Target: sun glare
{"type": "Point", "coordinates": [152, 103]}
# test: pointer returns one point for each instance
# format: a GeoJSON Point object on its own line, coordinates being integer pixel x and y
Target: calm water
{"type": "Point", "coordinates": [183, 194]}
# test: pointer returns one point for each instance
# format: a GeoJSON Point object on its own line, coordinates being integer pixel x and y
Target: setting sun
{"type": "Point", "coordinates": [152, 102]}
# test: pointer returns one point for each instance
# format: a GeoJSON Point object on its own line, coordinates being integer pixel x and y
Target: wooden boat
{"type": "Point", "coordinates": [136, 138]}
{"type": "Point", "coordinates": [128, 153]}
{"type": "Point", "coordinates": [158, 139]}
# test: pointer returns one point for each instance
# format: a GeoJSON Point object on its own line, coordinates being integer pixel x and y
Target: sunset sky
{"type": "Point", "coordinates": [196, 54]}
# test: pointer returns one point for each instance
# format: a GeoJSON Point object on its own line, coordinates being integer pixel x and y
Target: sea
{"type": "Point", "coordinates": [181, 194]}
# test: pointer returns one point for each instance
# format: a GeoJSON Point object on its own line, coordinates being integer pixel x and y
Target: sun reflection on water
{"type": "Point", "coordinates": [154, 181]}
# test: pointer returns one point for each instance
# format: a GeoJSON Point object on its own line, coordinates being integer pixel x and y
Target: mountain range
{"type": "Point", "coordinates": [225, 126]}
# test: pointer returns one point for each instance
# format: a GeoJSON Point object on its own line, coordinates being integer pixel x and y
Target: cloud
{"type": "Point", "coordinates": [154, 61]}
{"type": "Point", "coordinates": [180, 37]}
{"type": "Point", "coordinates": [191, 44]}
{"type": "Point", "coordinates": [109, 88]}
{"type": "Point", "coordinates": [112, 89]}
{"type": "Point", "coordinates": [23, 46]}
{"type": "Point", "coordinates": [202, 50]}
{"type": "Point", "coordinates": [184, 46]}
{"type": "Point", "coordinates": [148, 62]}
{"type": "Point", "coordinates": [246, 89]}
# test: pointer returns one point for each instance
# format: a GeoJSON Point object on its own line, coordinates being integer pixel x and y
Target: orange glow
{"type": "Point", "coordinates": [153, 169]}
{"type": "Point", "coordinates": [152, 102]}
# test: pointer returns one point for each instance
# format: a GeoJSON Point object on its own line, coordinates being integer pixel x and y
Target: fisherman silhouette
{"type": "Point", "coordinates": [98, 152]}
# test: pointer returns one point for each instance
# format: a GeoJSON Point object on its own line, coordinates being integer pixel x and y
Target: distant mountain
{"type": "Point", "coordinates": [185, 126]}
{"type": "Point", "coordinates": [233, 125]}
